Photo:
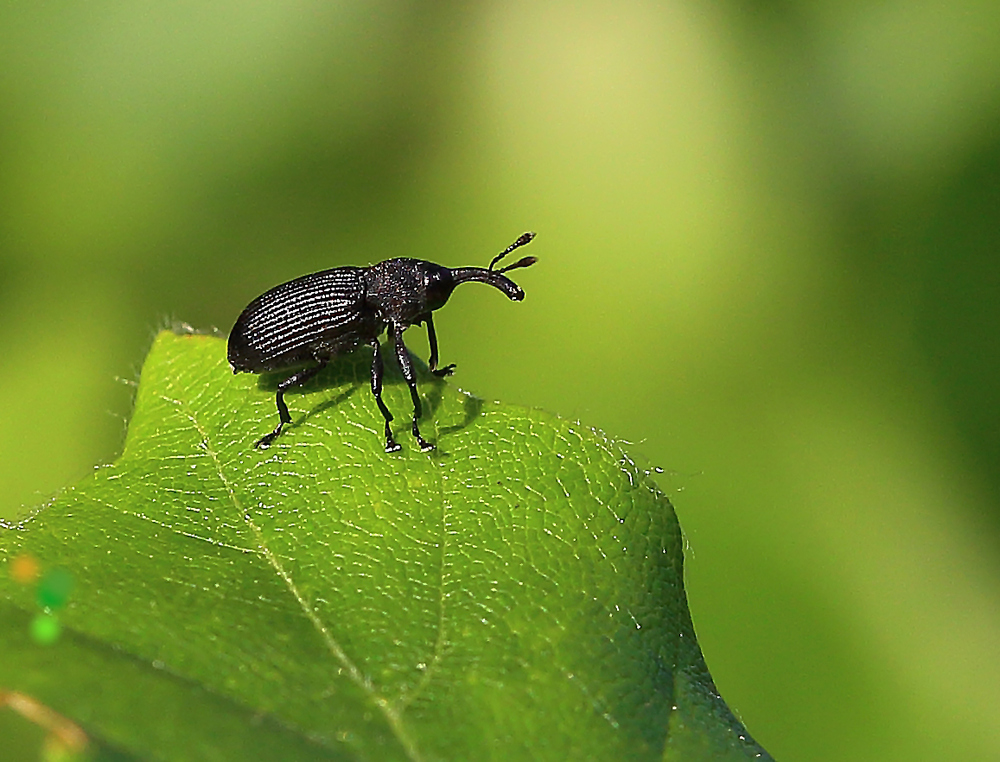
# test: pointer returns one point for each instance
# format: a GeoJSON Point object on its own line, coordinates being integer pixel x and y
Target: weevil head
{"type": "Point", "coordinates": [438, 285]}
{"type": "Point", "coordinates": [405, 291]}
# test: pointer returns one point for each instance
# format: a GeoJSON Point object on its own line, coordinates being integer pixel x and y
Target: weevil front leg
{"type": "Point", "coordinates": [377, 370]}
{"type": "Point", "coordinates": [447, 370]}
{"type": "Point", "coordinates": [406, 365]}
{"type": "Point", "coordinates": [296, 379]}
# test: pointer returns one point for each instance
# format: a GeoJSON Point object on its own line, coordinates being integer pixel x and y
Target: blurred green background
{"type": "Point", "coordinates": [769, 242]}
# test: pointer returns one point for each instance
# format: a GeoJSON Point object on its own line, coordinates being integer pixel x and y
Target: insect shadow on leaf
{"type": "Point", "coordinates": [472, 407]}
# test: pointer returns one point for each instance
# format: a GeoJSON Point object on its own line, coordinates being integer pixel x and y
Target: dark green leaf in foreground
{"type": "Point", "coordinates": [515, 594]}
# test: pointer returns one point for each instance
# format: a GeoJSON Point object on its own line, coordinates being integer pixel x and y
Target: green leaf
{"type": "Point", "coordinates": [515, 594]}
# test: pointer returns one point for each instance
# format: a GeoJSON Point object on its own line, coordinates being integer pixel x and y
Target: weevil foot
{"type": "Point", "coordinates": [447, 370]}
{"type": "Point", "coordinates": [266, 440]}
{"type": "Point", "coordinates": [424, 444]}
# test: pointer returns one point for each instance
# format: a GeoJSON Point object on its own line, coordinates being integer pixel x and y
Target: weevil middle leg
{"type": "Point", "coordinates": [377, 371]}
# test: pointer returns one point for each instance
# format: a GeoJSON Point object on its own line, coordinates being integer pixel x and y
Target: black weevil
{"type": "Point", "coordinates": [308, 321]}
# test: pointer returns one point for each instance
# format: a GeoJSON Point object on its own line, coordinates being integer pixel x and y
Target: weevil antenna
{"type": "Point", "coordinates": [525, 238]}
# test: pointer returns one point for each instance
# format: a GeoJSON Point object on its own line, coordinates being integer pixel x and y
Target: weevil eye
{"type": "Point", "coordinates": [438, 285]}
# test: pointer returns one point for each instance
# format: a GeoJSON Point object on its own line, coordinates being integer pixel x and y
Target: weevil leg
{"type": "Point", "coordinates": [296, 379]}
{"type": "Point", "coordinates": [447, 370]}
{"type": "Point", "coordinates": [406, 365]}
{"type": "Point", "coordinates": [377, 370]}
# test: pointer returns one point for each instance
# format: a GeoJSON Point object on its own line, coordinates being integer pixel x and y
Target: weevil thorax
{"type": "Point", "coordinates": [405, 290]}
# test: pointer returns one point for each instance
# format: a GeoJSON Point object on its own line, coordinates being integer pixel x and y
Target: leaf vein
{"type": "Point", "coordinates": [393, 718]}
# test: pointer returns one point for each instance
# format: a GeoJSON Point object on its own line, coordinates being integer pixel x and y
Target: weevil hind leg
{"type": "Point", "coordinates": [284, 418]}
